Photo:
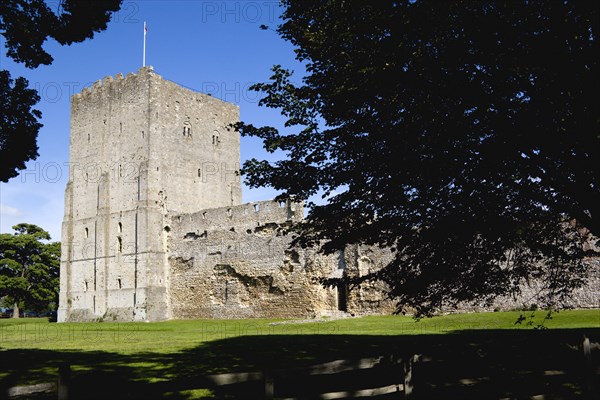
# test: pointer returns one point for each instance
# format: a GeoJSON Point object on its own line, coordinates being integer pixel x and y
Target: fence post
{"type": "Point", "coordinates": [408, 370]}
{"type": "Point", "coordinates": [589, 369]}
{"type": "Point", "coordinates": [64, 376]}
{"type": "Point", "coordinates": [269, 384]}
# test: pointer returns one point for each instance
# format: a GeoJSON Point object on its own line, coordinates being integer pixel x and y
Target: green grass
{"type": "Point", "coordinates": [177, 352]}
{"type": "Point", "coordinates": [169, 336]}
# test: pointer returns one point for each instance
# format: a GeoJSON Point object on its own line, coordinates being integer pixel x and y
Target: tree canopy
{"type": "Point", "coordinates": [29, 267]}
{"type": "Point", "coordinates": [463, 135]}
{"type": "Point", "coordinates": [25, 25]}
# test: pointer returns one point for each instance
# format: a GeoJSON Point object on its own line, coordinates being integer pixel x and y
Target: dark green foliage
{"type": "Point", "coordinates": [19, 125]}
{"type": "Point", "coordinates": [29, 268]}
{"type": "Point", "coordinates": [25, 25]}
{"type": "Point", "coordinates": [462, 134]}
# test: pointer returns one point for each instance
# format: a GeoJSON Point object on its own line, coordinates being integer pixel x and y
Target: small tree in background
{"type": "Point", "coordinates": [29, 267]}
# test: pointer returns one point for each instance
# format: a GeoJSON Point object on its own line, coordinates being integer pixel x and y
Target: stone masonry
{"type": "Point", "coordinates": [236, 262]}
{"type": "Point", "coordinates": [155, 229]}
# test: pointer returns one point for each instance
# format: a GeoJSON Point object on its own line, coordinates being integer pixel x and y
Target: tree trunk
{"type": "Point", "coordinates": [16, 310]}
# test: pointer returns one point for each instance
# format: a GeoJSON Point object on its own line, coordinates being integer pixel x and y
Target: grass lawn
{"type": "Point", "coordinates": [140, 355]}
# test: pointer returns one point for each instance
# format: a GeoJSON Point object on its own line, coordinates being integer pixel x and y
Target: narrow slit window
{"type": "Point", "coordinates": [187, 129]}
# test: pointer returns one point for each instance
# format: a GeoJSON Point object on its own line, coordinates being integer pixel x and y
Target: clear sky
{"type": "Point", "coordinates": [211, 46]}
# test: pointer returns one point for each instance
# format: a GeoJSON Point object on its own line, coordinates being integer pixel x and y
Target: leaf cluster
{"type": "Point", "coordinates": [25, 26]}
{"type": "Point", "coordinates": [463, 135]}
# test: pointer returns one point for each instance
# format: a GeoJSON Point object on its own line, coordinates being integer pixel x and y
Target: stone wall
{"type": "Point", "coordinates": [586, 297]}
{"type": "Point", "coordinates": [235, 262]}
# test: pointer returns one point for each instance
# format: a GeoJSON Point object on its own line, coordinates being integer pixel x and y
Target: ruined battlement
{"type": "Point", "coordinates": [134, 82]}
{"type": "Point", "coordinates": [244, 217]}
{"type": "Point", "coordinates": [110, 84]}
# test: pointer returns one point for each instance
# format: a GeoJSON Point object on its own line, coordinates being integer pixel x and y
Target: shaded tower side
{"type": "Point", "coordinates": [136, 152]}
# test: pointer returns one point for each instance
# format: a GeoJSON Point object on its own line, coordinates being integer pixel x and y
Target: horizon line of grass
{"type": "Point", "coordinates": [174, 335]}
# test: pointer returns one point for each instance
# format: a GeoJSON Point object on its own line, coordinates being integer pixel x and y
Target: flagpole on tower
{"type": "Point", "coordinates": [144, 55]}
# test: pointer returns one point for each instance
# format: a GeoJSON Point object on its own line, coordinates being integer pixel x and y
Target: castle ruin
{"type": "Point", "coordinates": [154, 225]}
{"type": "Point", "coordinates": [155, 228]}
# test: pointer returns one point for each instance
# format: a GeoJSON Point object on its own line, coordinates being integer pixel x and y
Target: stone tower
{"type": "Point", "coordinates": [137, 144]}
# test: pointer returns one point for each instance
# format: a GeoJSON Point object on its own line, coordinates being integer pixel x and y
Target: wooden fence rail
{"type": "Point", "coordinates": [365, 377]}
{"type": "Point", "coordinates": [385, 376]}
{"type": "Point", "coordinates": [327, 381]}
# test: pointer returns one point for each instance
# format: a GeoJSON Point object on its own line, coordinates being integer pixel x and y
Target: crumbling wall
{"type": "Point", "coordinates": [236, 262]}
{"type": "Point", "coordinates": [587, 296]}
{"type": "Point", "coordinates": [368, 298]}
{"type": "Point", "coordinates": [233, 262]}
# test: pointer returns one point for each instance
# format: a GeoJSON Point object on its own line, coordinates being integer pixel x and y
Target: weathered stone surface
{"type": "Point", "coordinates": [236, 262]}
{"type": "Point", "coordinates": [154, 227]}
{"type": "Point", "coordinates": [141, 148]}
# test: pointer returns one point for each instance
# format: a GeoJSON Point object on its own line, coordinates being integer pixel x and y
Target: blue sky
{"type": "Point", "coordinates": [210, 46]}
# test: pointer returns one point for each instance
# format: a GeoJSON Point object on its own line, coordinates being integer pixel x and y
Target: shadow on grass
{"type": "Point", "coordinates": [487, 364]}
